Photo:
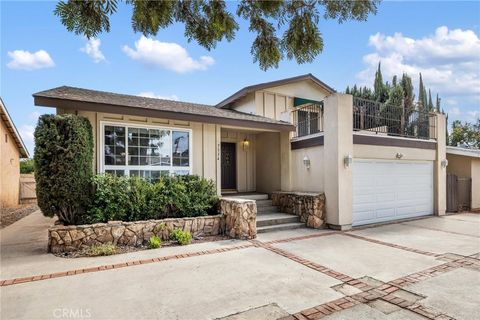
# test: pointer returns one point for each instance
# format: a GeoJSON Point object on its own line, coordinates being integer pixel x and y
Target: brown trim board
{"type": "Point", "coordinates": [144, 112]}
{"type": "Point", "coordinates": [394, 142]}
{"type": "Point", "coordinates": [307, 143]}
{"type": "Point", "coordinates": [368, 140]}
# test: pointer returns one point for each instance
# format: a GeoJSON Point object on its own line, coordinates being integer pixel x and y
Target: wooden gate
{"type": "Point", "coordinates": [452, 203]}
{"type": "Point", "coordinates": [28, 192]}
{"type": "Point", "coordinates": [459, 191]}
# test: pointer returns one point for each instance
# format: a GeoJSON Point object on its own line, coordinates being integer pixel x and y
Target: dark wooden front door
{"type": "Point", "coordinates": [229, 166]}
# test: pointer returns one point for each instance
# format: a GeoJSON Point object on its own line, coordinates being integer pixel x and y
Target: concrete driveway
{"type": "Point", "coordinates": [422, 269]}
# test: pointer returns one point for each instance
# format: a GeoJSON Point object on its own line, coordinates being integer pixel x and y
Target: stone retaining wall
{"type": "Point", "coordinates": [71, 238]}
{"type": "Point", "coordinates": [237, 220]}
{"type": "Point", "coordinates": [310, 207]}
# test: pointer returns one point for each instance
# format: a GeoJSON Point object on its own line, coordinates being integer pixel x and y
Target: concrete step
{"type": "Point", "coordinates": [262, 203]}
{"type": "Point", "coordinates": [280, 227]}
{"type": "Point", "coordinates": [261, 209]}
{"type": "Point", "coordinates": [271, 219]}
{"type": "Point", "coordinates": [256, 196]}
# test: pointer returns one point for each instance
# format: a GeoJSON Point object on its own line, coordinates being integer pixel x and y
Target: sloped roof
{"type": "Point", "coordinates": [100, 101]}
{"type": "Point", "coordinates": [243, 92]}
{"type": "Point", "coordinates": [475, 153]}
{"type": "Point", "coordinates": [5, 116]}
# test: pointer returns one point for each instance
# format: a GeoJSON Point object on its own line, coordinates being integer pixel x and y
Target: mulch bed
{"type": "Point", "coordinates": [127, 249]}
{"type": "Point", "coordinates": [11, 215]}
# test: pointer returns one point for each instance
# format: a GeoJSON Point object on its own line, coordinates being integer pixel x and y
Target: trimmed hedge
{"type": "Point", "coordinates": [63, 166]}
{"type": "Point", "coordinates": [134, 199]}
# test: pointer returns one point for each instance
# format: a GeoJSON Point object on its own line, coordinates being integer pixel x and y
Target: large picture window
{"type": "Point", "coordinates": [148, 152]}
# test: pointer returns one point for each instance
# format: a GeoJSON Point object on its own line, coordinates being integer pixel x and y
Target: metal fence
{"type": "Point", "coordinates": [308, 119]}
{"type": "Point", "coordinates": [379, 118]}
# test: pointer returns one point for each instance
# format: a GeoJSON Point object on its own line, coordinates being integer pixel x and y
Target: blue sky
{"type": "Point", "coordinates": [440, 39]}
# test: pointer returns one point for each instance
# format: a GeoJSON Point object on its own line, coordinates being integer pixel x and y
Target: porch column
{"type": "Point", "coordinates": [285, 162]}
{"type": "Point", "coordinates": [338, 144]}
{"type": "Point", "coordinates": [440, 172]}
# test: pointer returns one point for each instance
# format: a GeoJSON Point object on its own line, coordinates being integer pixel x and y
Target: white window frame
{"type": "Point", "coordinates": [126, 168]}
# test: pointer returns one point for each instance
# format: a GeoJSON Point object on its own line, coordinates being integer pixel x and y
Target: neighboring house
{"type": "Point", "coordinates": [12, 149]}
{"type": "Point", "coordinates": [295, 134]}
{"type": "Point", "coordinates": [464, 164]}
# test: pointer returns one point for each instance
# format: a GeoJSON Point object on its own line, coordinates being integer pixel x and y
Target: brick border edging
{"type": "Point", "coordinates": [392, 245]}
{"type": "Point", "coordinates": [14, 281]}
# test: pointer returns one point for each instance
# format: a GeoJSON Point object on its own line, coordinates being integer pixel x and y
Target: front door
{"type": "Point", "coordinates": [229, 166]}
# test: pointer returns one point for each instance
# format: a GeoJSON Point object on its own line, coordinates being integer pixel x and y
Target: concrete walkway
{"type": "Point", "coordinates": [410, 270]}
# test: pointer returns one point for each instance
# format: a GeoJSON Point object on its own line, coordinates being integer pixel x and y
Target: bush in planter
{"type": "Point", "coordinates": [63, 166]}
{"type": "Point", "coordinates": [133, 199]}
{"type": "Point", "coordinates": [182, 237]}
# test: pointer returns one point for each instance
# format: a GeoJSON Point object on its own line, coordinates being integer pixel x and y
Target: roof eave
{"type": "Point", "coordinates": [40, 100]}
{"type": "Point", "coordinates": [14, 132]}
{"type": "Point", "coordinates": [246, 90]}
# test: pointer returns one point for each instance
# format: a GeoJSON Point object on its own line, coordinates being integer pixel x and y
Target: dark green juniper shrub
{"type": "Point", "coordinates": [63, 166]}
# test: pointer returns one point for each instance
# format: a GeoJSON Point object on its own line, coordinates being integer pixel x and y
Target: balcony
{"type": "Point", "coordinates": [308, 119]}
{"type": "Point", "coordinates": [388, 120]}
{"type": "Point", "coordinates": [370, 118]}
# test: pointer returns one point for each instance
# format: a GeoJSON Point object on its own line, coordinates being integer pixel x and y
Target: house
{"type": "Point", "coordinates": [463, 181]}
{"type": "Point", "coordinates": [373, 163]}
{"type": "Point", "coordinates": [12, 149]}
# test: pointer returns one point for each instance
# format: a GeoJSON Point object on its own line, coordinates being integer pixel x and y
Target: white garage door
{"type": "Point", "coordinates": [391, 190]}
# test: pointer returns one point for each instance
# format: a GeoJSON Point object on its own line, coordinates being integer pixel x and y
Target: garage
{"type": "Point", "coordinates": [391, 190]}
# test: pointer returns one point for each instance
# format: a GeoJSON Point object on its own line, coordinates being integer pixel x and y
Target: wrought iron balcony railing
{"type": "Point", "coordinates": [378, 118]}
{"type": "Point", "coordinates": [308, 119]}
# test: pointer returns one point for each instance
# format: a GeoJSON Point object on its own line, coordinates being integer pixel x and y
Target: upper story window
{"type": "Point", "coordinates": [145, 151]}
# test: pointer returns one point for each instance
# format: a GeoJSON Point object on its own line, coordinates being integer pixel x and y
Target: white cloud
{"type": "Point", "coordinates": [92, 48]}
{"type": "Point", "coordinates": [449, 60]}
{"type": "Point", "coordinates": [25, 60]}
{"type": "Point", "coordinates": [150, 94]}
{"type": "Point", "coordinates": [166, 55]}
{"type": "Point", "coordinates": [26, 131]}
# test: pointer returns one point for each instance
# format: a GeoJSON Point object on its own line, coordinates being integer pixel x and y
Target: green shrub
{"type": "Point", "coordinates": [201, 196]}
{"type": "Point", "coordinates": [133, 199]}
{"type": "Point", "coordinates": [110, 199]}
{"type": "Point", "coordinates": [63, 166]}
{"type": "Point", "coordinates": [154, 242]}
{"type": "Point", "coordinates": [105, 249]}
{"type": "Point", "coordinates": [26, 166]}
{"type": "Point", "coordinates": [182, 237]}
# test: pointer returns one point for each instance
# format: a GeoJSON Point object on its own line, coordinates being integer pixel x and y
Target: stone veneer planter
{"type": "Point", "coordinates": [310, 207]}
{"type": "Point", "coordinates": [240, 217]}
{"type": "Point", "coordinates": [237, 220]}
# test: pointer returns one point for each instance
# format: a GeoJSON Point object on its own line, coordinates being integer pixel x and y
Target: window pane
{"type": "Point", "coordinates": [114, 140]}
{"type": "Point", "coordinates": [119, 173]}
{"type": "Point", "coordinates": [180, 148]}
{"type": "Point", "coordinates": [181, 172]}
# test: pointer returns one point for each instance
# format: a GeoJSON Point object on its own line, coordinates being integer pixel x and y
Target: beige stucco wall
{"type": "Point", "coordinates": [268, 167]}
{"type": "Point", "coordinates": [246, 165]}
{"type": "Point", "coordinates": [308, 180]}
{"type": "Point", "coordinates": [275, 102]}
{"type": "Point", "coordinates": [467, 167]}
{"type": "Point", "coordinates": [10, 169]}
{"type": "Point", "coordinates": [363, 151]}
{"type": "Point", "coordinates": [475, 184]}
{"type": "Point", "coordinates": [459, 165]}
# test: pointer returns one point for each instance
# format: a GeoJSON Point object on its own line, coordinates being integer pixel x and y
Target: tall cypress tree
{"type": "Point", "coordinates": [430, 102]}
{"type": "Point", "coordinates": [437, 105]}
{"type": "Point", "coordinates": [378, 85]}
